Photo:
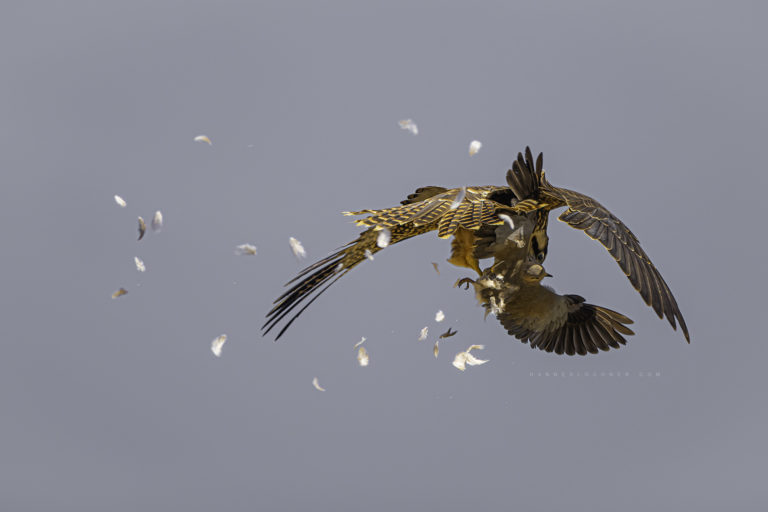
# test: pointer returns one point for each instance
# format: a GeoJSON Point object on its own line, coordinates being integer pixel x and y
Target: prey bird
{"type": "Point", "coordinates": [535, 314]}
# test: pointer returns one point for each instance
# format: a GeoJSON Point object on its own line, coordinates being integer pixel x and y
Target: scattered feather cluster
{"type": "Point", "coordinates": [157, 224]}
{"type": "Point", "coordinates": [439, 317]}
{"type": "Point", "coordinates": [383, 240]}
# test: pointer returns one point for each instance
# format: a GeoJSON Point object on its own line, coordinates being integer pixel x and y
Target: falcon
{"type": "Point", "coordinates": [476, 218]}
{"type": "Point", "coordinates": [507, 224]}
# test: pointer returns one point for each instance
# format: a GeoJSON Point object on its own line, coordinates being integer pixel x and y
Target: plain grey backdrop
{"type": "Point", "coordinates": [657, 109]}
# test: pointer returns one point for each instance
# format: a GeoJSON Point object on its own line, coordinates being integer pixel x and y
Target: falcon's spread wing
{"type": "Point", "coordinates": [467, 207]}
{"type": "Point", "coordinates": [598, 223]}
{"type": "Point", "coordinates": [565, 324]}
{"type": "Point", "coordinates": [455, 211]}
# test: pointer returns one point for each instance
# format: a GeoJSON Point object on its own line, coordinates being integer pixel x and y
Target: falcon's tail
{"type": "Point", "coordinates": [316, 278]}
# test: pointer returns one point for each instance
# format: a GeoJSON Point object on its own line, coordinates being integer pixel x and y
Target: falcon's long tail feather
{"type": "Point", "coordinates": [318, 277]}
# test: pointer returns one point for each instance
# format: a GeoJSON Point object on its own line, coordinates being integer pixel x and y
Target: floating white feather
{"type": "Point", "coordinates": [466, 358]}
{"type": "Point", "coordinates": [157, 221]}
{"type": "Point", "coordinates": [217, 344]}
{"type": "Point", "coordinates": [409, 125]}
{"type": "Point", "coordinates": [362, 356]}
{"type": "Point", "coordinates": [297, 248]}
{"type": "Point", "coordinates": [245, 250]}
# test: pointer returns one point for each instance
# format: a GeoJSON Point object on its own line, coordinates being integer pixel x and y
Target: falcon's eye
{"type": "Point", "coordinates": [540, 257]}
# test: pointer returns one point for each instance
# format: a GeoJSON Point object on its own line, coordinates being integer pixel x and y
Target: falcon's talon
{"type": "Point", "coordinates": [465, 282]}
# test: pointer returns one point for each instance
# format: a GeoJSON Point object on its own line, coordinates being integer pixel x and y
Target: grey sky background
{"type": "Point", "coordinates": [657, 110]}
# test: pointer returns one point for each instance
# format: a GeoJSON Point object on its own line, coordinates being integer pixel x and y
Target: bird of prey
{"type": "Point", "coordinates": [476, 217]}
{"type": "Point", "coordinates": [586, 214]}
{"type": "Point", "coordinates": [535, 314]}
{"type": "Point", "coordinates": [507, 224]}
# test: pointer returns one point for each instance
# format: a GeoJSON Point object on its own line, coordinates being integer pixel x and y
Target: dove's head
{"type": "Point", "coordinates": [535, 273]}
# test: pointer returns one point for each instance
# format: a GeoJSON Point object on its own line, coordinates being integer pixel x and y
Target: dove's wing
{"type": "Point", "coordinates": [563, 324]}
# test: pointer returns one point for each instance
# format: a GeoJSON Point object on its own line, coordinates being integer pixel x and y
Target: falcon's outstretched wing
{"type": "Point", "coordinates": [460, 212]}
{"type": "Point", "coordinates": [598, 223]}
{"type": "Point", "coordinates": [467, 207]}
